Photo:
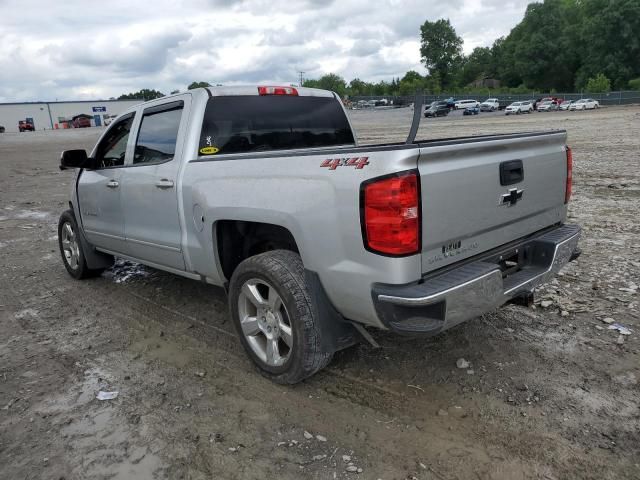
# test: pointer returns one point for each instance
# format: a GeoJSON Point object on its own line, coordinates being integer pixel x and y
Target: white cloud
{"type": "Point", "coordinates": [80, 49]}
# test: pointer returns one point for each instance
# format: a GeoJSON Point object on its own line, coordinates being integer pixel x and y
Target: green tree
{"type": "Point", "coordinates": [311, 83]}
{"type": "Point", "coordinates": [609, 41]}
{"type": "Point", "coordinates": [598, 84]}
{"type": "Point", "coordinates": [476, 65]}
{"type": "Point", "coordinates": [144, 94]}
{"type": "Point", "coordinates": [359, 87]}
{"type": "Point", "coordinates": [332, 82]}
{"type": "Point", "coordinates": [411, 82]}
{"type": "Point", "coordinates": [174, 92]}
{"type": "Point", "coordinates": [541, 51]}
{"type": "Point", "coordinates": [440, 49]}
{"type": "Point", "coordinates": [193, 85]}
{"type": "Point", "coordinates": [634, 84]}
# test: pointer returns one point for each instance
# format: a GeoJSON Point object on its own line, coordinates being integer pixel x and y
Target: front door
{"type": "Point", "coordinates": [99, 190]}
{"type": "Point", "coordinates": [150, 186]}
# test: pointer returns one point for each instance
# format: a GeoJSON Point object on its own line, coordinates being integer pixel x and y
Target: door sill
{"type": "Point", "coordinates": [182, 273]}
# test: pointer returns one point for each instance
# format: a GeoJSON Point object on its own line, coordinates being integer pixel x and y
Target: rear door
{"type": "Point", "coordinates": [150, 184]}
{"type": "Point", "coordinates": [99, 190]}
{"type": "Point", "coordinates": [479, 194]}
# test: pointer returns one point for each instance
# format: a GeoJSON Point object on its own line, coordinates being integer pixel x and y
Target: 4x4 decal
{"type": "Point", "coordinates": [333, 163]}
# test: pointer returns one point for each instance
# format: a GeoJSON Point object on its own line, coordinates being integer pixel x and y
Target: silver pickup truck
{"type": "Point", "coordinates": [265, 191]}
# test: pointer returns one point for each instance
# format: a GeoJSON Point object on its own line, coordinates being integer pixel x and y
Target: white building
{"type": "Point", "coordinates": [50, 115]}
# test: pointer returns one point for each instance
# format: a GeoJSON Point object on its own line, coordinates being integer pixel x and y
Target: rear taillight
{"type": "Point", "coordinates": [390, 209]}
{"type": "Point", "coordinates": [567, 188]}
{"type": "Point", "coordinates": [277, 91]}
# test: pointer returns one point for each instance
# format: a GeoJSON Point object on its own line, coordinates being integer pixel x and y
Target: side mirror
{"type": "Point", "coordinates": [74, 159]}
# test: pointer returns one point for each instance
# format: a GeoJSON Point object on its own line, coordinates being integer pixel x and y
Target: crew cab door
{"type": "Point", "coordinates": [150, 184]}
{"type": "Point", "coordinates": [99, 190]}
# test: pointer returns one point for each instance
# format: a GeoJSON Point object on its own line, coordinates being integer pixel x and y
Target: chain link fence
{"type": "Point", "coordinates": [610, 98]}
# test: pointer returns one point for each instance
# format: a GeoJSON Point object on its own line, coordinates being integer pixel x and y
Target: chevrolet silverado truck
{"type": "Point", "coordinates": [265, 191]}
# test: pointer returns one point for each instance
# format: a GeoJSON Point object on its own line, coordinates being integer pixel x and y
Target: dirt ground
{"type": "Point", "coordinates": [550, 392]}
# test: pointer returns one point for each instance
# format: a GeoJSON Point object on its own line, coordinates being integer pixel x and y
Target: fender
{"type": "Point", "coordinates": [95, 260]}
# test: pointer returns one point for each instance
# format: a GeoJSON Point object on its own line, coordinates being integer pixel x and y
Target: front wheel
{"type": "Point", "coordinates": [71, 249]}
{"type": "Point", "coordinates": [273, 314]}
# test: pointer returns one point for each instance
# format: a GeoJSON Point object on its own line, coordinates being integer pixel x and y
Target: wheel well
{"type": "Point", "coordinates": [238, 240]}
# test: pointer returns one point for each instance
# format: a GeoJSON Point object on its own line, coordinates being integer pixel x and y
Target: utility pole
{"type": "Point", "coordinates": [301, 77]}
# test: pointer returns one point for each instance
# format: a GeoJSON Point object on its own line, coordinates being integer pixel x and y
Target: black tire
{"type": "Point", "coordinates": [79, 271]}
{"type": "Point", "coordinates": [283, 270]}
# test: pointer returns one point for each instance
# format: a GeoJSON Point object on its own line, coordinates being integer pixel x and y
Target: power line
{"type": "Point", "coordinates": [301, 77]}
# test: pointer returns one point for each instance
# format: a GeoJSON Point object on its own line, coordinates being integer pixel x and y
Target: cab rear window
{"type": "Point", "coordinates": [240, 124]}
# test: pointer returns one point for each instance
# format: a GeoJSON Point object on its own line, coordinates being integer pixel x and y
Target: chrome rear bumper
{"type": "Point", "coordinates": [459, 294]}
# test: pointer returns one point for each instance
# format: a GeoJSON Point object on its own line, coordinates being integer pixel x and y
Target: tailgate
{"type": "Point", "coordinates": [468, 209]}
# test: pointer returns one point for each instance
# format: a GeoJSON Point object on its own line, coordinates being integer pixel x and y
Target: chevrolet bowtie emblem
{"type": "Point", "coordinates": [511, 198]}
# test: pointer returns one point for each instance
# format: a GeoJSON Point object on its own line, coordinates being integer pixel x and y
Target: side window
{"type": "Point", "coordinates": [112, 148]}
{"type": "Point", "coordinates": [158, 134]}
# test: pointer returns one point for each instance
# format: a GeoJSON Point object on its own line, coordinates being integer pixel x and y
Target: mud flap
{"type": "Point", "coordinates": [336, 332]}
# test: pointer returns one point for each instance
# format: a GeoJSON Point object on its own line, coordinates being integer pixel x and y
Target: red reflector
{"type": "Point", "coordinates": [391, 223]}
{"type": "Point", "coordinates": [568, 187]}
{"type": "Point", "coordinates": [277, 91]}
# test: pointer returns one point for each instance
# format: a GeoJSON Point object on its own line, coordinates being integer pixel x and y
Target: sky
{"type": "Point", "coordinates": [89, 49]}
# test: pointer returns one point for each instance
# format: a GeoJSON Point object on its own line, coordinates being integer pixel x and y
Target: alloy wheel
{"type": "Point", "coordinates": [70, 246]}
{"type": "Point", "coordinates": [265, 322]}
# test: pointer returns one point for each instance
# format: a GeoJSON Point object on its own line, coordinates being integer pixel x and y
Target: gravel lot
{"type": "Point", "coordinates": [550, 392]}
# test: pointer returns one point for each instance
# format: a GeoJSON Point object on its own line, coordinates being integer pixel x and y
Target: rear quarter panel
{"type": "Point", "coordinates": [319, 206]}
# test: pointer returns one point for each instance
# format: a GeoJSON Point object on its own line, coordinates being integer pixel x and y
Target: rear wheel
{"type": "Point", "coordinates": [273, 315]}
{"type": "Point", "coordinates": [71, 248]}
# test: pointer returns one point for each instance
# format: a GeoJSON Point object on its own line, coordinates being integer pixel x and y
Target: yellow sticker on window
{"type": "Point", "coordinates": [209, 150]}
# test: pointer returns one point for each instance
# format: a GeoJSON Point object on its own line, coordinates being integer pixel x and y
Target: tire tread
{"type": "Point", "coordinates": [286, 266]}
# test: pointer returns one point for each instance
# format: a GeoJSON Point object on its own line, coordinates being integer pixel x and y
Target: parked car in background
{"type": "Point", "coordinates": [552, 99]}
{"type": "Point", "coordinates": [451, 102]}
{"type": "Point", "coordinates": [437, 109]}
{"type": "Point", "coordinates": [462, 104]}
{"type": "Point", "coordinates": [518, 108]}
{"type": "Point", "coordinates": [471, 110]}
{"type": "Point", "coordinates": [547, 106]}
{"type": "Point", "coordinates": [565, 105]}
{"type": "Point", "coordinates": [584, 104]}
{"type": "Point", "coordinates": [490, 105]}
{"type": "Point", "coordinates": [24, 125]}
{"type": "Point", "coordinates": [81, 121]}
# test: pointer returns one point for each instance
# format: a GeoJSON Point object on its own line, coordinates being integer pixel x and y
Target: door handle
{"type": "Point", "coordinates": [164, 183]}
{"type": "Point", "coordinates": [112, 184]}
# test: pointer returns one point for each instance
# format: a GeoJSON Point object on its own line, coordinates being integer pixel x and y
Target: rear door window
{"type": "Point", "coordinates": [158, 134]}
{"type": "Point", "coordinates": [240, 124]}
